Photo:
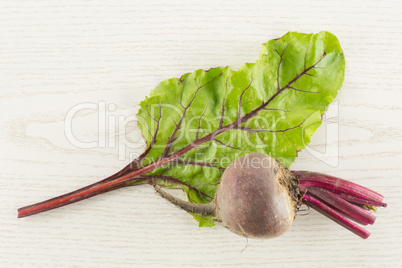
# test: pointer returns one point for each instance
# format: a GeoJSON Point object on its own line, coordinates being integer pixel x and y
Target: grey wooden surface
{"type": "Point", "coordinates": [55, 55]}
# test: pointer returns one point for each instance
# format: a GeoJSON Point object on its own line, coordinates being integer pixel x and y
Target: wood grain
{"type": "Point", "coordinates": [56, 55]}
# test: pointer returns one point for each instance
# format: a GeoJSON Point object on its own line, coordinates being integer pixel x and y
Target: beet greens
{"type": "Point", "coordinates": [198, 124]}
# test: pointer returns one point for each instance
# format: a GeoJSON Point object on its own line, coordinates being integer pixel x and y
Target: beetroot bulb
{"type": "Point", "coordinates": [258, 198]}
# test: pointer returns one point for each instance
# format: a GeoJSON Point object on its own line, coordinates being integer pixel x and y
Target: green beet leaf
{"type": "Point", "coordinates": [195, 125]}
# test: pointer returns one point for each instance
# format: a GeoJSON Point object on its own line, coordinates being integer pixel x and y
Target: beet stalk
{"type": "Point", "coordinates": [335, 216]}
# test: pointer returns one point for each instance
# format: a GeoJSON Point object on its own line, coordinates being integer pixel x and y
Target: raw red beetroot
{"type": "Point", "coordinates": [258, 198]}
{"type": "Point", "coordinates": [253, 198]}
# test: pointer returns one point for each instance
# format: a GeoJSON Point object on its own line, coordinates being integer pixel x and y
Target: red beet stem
{"type": "Point", "coordinates": [335, 216]}
{"type": "Point", "coordinates": [76, 196]}
{"type": "Point", "coordinates": [337, 203]}
{"type": "Point", "coordinates": [320, 180]}
{"type": "Point", "coordinates": [108, 184]}
{"type": "Point", "coordinates": [359, 201]}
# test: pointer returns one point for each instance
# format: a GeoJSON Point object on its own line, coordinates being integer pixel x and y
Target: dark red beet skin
{"type": "Point", "coordinates": [253, 198]}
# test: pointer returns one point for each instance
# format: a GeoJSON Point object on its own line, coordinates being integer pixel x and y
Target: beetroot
{"type": "Point", "coordinates": [253, 198]}
{"type": "Point", "coordinates": [258, 198]}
